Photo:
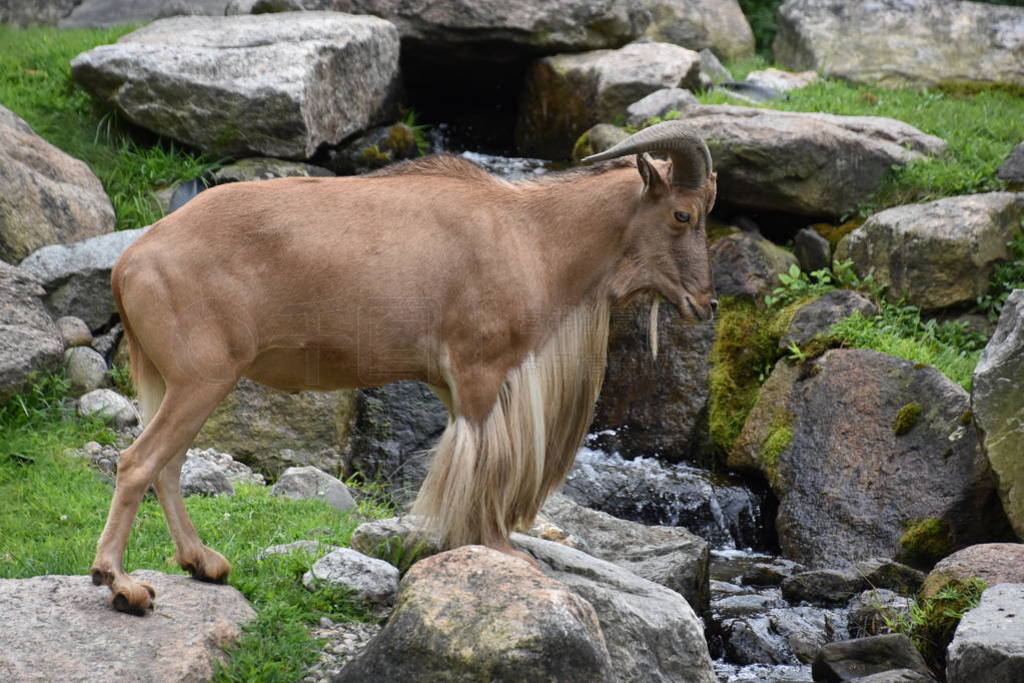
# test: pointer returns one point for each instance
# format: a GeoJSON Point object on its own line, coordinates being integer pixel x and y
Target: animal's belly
{"type": "Point", "coordinates": [326, 369]}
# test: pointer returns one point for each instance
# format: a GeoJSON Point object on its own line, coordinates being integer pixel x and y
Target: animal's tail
{"type": "Point", "coordinates": [149, 383]}
{"type": "Point", "coordinates": [491, 478]}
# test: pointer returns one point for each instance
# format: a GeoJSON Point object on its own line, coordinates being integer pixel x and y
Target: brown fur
{"type": "Point", "coordinates": [494, 293]}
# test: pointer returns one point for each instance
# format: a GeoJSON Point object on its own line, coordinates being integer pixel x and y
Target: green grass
{"type": "Point", "coordinates": [55, 504]}
{"type": "Point", "coordinates": [35, 83]}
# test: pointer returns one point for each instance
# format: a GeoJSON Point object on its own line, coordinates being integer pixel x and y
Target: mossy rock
{"type": "Point", "coordinates": [925, 542]}
{"type": "Point", "coordinates": [906, 418]}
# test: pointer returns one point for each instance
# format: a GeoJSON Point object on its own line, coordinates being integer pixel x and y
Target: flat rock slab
{"type": "Point", "coordinates": [280, 85]}
{"type": "Point", "coordinates": [903, 43]}
{"type": "Point", "coordinates": [61, 628]}
{"type": "Point", "coordinates": [989, 641]}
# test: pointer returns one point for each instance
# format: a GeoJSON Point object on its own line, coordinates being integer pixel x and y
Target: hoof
{"type": "Point", "coordinates": [134, 598]}
{"type": "Point", "coordinates": [211, 567]}
{"type": "Point", "coordinates": [102, 577]}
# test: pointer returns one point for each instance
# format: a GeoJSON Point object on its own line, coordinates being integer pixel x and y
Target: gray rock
{"type": "Point", "coordinates": [1012, 170]}
{"type": "Point", "coordinates": [86, 369]}
{"type": "Point", "coordinates": [395, 426]}
{"type": "Point", "coordinates": [308, 547]}
{"type": "Point", "coordinates": [825, 436]}
{"type": "Point", "coordinates": [872, 610]}
{"type": "Point", "coordinates": [567, 94]}
{"type": "Point", "coordinates": [734, 606]}
{"type": "Point", "coordinates": [747, 266]}
{"type": "Point", "coordinates": [808, 164]}
{"type": "Point", "coordinates": [63, 628]}
{"type": "Point", "coordinates": [491, 27]}
{"type": "Point", "coordinates": [782, 81]}
{"type": "Point", "coordinates": [368, 578]}
{"type": "Point", "coordinates": [271, 430]}
{"type": "Point", "coordinates": [851, 659]}
{"type": "Point", "coordinates": [813, 252]}
{"type": "Point", "coordinates": [770, 573]}
{"type": "Point", "coordinates": [236, 472]}
{"type": "Point", "coordinates": [476, 614]}
{"type": "Point", "coordinates": [901, 43]}
{"type": "Point", "coordinates": [832, 587]}
{"type": "Point", "coordinates": [597, 139]}
{"type": "Point", "coordinates": [201, 477]}
{"type": "Point", "coordinates": [713, 25]}
{"type": "Point", "coordinates": [107, 13]}
{"type": "Point", "coordinates": [884, 573]}
{"type": "Point", "coordinates": [29, 340]}
{"type": "Point", "coordinates": [384, 538]}
{"type": "Point", "coordinates": [748, 93]}
{"type": "Point", "coordinates": [110, 405]}
{"type": "Point", "coordinates": [998, 406]}
{"type": "Point", "coordinates": [306, 483]}
{"type": "Point", "coordinates": [277, 85]}
{"type": "Point", "coordinates": [46, 196]}
{"type": "Point", "coordinates": [991, 562]}
{"type": "Point", "coordinates": [937, 254]}
{"type": "Point", "coordinates": [651, 631]}
{"type": "Point", "coordinates": [989, 641]}
{"type": "Point", "coordinates": [711, 70]}
{"type": "Point", "coordinates": [653, 406]}
{"type": "Point", "coordinates": [265, 168]}
{"type": "Point", "coordinates": [77, 276]}
{"type": "Point", "coordinates": [74, 331]}
{"type": "Point", "coordinates": [817, 317]}
{"type": "Point", "coordinates": [658, 104]}
{"type": "Point", "coordinates": [669, 556]}
{"type": "Point", "coordinates": [33, 12]}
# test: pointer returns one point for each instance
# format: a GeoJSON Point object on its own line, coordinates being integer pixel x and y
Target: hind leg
{"type": "Point", "coordinates": [172, 429]}
{"type": "Point", "coordinates": [201, 562]}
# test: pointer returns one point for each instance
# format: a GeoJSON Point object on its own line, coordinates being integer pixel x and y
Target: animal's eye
{"type": "Point", "coordinates": [682, 217]}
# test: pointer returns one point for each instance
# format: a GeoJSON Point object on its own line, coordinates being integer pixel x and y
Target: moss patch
{"type": "Point", "coordinates": [834, 233]}
{"type": "Point", "coordinates": [780, 435]}
{"type": "Point", "coordinates": [925, 541]}
{"type": "Point", "coordinates": [906, 418]}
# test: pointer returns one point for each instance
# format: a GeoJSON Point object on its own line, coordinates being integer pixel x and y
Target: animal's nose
{"type": "Point", "coordinates": [714, 307]}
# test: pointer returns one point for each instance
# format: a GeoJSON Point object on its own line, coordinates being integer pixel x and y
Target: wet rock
{"type": "Point", "coordinates": [998, 408]}
{"type": "Point", "coordinates": [48, 196]}
{"type": "Point", "coordinates": [989, 641]}
{"type": "Point", "coordinates": [313, 78]}
{"type": "Point", "coordinates": [849, 486]}
{"type": "Point", "coordinates": [270, 430]}
{"type": "Point", "coordinates": [107, 13]}
{"type": "Point", "coordinates": [747, 266]}
{"type": "Point", "coordinates": [817, 317]}
{"type": "Point", "coordinates": [74, 331]}
{"type": "Point", "coordinates": [643, 490]}
{"type": "Point", "coordinates": [813, 252]}
{"type": "Point", "coordinates": [782, 81]}
{"type": "Point", "coordinates": [367, 578]}
{"type": "Point", "coordinates": [394, 428]}
{"type": "Point", "coordinates": [306, 483]}
{"type": "Point", "coordinates": [653, 406]}
{"type": "Point", "coordinates": [567, 94]}
{"type": "Point", "coordinates": [823, 587]}
{"type": "Point", "coordinates": [851, 659]}
{"type": "Point", "coordinates": [669, 556]}
{"type": "Point", "coordinates": [872, 610]}
{"type": "Point", "coordinates": [77, 276]}
{"type": "Point", "coordinates": [475, 613]}
{"type": "Point", "coordinates": [110, 405]}
{"type": "Point", "coordinates": [781, 635]}
{"type": "Point", "coordinates": [201, 477]}
{"type": "Point", "coordinates": [770, 573]}
{"type": "Point", "coordinates": [882, 572]}
{"type": "Point", "coordinates": [658, 104]}
{"type": "Point", "coordinates": [651, 631]}
{"type": "Point", "coordinates": [1012, 170]}
{"type": "Point", "coordinates": [803, 163]}
{"type": "Point", "coordinates": [86, 369]}
{"type": "Point", "coordinates": [718, 26]}
{"type": "Point", "coordinates": [895, 43]}
{"type": "Point", "coordinates": [991, 562]}
{"type": "Point", "coordinates": [375, 149]}
{"type": "Point", "coordinates": [29, 340]}
{"type": "Point", "coordinates": [734, 606]}
{"type": "Point", "coordinates": [64, 626]}
{"type": "Point", "coordinates": [937, 254]}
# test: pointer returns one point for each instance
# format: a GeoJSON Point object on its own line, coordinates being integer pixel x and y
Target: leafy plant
{"type": "Point", "coordinates": [420, 131]}
{"type": "Point", "coordinates": [797, 284]}
{"type": "Point", "coordinates": [1006, 277]}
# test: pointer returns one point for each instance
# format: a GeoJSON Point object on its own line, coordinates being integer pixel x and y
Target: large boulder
{"type": "Point", "coordinates": [853, 659]}
{"type": "Point", "coordinates": [277, 85]}
{"type": "Point", "coordinates": [29, 339]}
{"type": "Point", "coordinates": [697, 24]}
{"type": "Point", "coordinates": [653, 406]}
{"type": "Point", "coordinates": [991, 562]}
{"type": "Point", "coordinates": [651, 631]}
{"type": "Point", "coordinates": [476, 614]}
{"type": "Point", "coordinates": [567, 94]}
{"type": "Point", "coordinates": [899, 43]}
{"type": "Point", "coordinates": [271, 430]}
{"type": "Point", "coordinates": [989, 641]}
{"type": "Point", "coordinates": [667, 555]}
{"type": "Point", "coordinates": [870, 456]}
{"type": "Point", "coordinates": [936, 254]}
{"type": "Point", "coordinates": [77, 276]}
{"type": "Point", "coordinates": [46, 196]}
{"type": "Point", "coordinates": [63, 628]}
{"type": "Point", "coordinates": [804, 163]}
{"type": "Point", "coordinates": [495, 27]}
{"type": "Point", "coordinates": [999, 409]}
{"type": "Point", "coordinates": [105, 13]}
{"type": "Point", "coordinates": [31, 12]}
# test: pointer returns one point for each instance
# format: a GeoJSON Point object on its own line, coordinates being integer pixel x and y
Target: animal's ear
{"type": "Point", "coordinates": [711, 191]}
{"type": "Point", "coordinates": [654, 185]}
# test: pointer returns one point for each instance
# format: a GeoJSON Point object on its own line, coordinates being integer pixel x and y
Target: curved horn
{"type": "Point", "coordinates": [691, 160]}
